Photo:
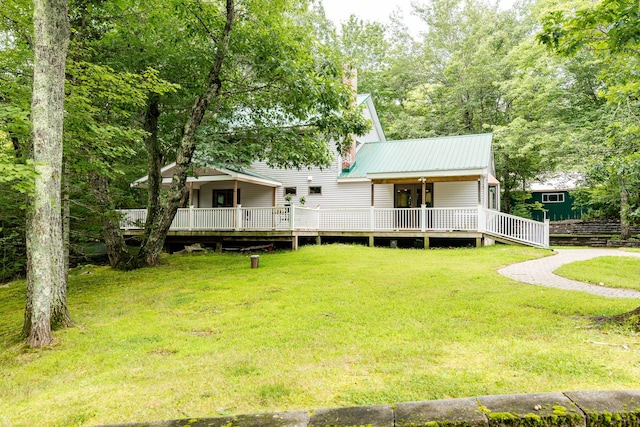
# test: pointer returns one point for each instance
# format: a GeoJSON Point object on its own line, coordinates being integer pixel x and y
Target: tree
{"type": "Point", "coordinates": [44, 227]}
{"type": "Point", "coordinates": [253, 84]}
{"type": "Point", "coordinates": [610, 31]}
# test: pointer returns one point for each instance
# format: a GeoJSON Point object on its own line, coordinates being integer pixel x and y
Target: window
{"type": "Point", "coordinates": [290, 190]}
{"type": "Point", "coordinates": [315, 190]}
{"type": "Point", "coordinates": [224, 198]}
{"type": "Point", "coordinates": [552, 197]}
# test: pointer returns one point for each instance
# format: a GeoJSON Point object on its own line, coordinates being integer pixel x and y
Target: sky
{"type": "Point", "coordinates": [376, 10]}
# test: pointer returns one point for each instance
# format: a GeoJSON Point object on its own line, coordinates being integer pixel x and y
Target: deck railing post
{"type": "Point", "coordinates": [292, 217]}
{"type": "Point", "coordinates": [546, 233]}
{"type": "Point", "coordinates": [423, 218]}
{"type": "Point", "coordinates": [372, 218]}
{"type": "Point", "coordinates": [191, 213]}
{"type": "Point", "coordinates": [238, 219]}
{"type": "Point", "coordinates": [482, 219]}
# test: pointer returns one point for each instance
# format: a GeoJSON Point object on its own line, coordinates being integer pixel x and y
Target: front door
{"type": "Point", "coordinates": [410, 195]}
{"type": "Point", "coordinates": [407, 196]}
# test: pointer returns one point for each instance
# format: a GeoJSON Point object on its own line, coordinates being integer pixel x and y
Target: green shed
{"type": "Point", "coordinates": [554, 194]}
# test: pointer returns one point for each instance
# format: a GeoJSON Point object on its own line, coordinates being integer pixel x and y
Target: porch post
{"type": "Point", "coordinates": [191, 194]}
{"type": "Point", "coordinates": [275, 196]}
{"type": "Point", "coordinates": [423, 214]}
{"type": "Point", "coordinates": [235, 193]}
{"type": "Point", "coordinates": [373, 193]}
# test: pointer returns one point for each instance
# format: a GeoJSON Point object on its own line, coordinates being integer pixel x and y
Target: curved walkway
{"type": "Point", "coordinates": [540, 272]}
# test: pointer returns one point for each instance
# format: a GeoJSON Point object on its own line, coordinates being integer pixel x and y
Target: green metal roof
{"type": "Point", "coordinates": [455, 153]}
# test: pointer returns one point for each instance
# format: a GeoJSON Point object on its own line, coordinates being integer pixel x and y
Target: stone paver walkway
{"type": "Point", "coordinates": [540, 272]}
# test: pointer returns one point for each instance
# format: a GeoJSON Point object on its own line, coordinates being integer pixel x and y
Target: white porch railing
{"type": "Point", "coordinates": [515, 228]}
{"type": "Point", "coordinates": [358, 219]}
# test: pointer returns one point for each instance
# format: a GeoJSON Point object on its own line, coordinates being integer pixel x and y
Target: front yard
{"type": "Point", "coordinates": [205, 335]}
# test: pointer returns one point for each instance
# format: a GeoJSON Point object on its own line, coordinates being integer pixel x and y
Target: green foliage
{"type": "Point", "coordinates": [609, 31]}
{"type": "Point", "coordinates": [13, 260]}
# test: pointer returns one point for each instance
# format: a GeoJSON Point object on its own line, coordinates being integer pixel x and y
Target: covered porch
{"type": "Point", "coordinates": [222, 186]}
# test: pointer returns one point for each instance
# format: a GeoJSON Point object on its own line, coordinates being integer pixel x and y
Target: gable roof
{"type": "Point", "coordinates": [214, 172]}
{"type": "Point", "coordinates": [365, 101]}
{"type": "Point", "coordinates": [469, 154]}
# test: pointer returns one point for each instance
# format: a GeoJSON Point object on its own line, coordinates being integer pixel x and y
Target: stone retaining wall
{"type": "Point", "coordinates": [591, 241]}
{"type": "Point", "coordinates": [588, 228]}
{"type": "Point", "coordinates": [568, 409]}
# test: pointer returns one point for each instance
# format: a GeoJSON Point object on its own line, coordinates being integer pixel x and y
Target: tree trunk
{"type": "Point", "coordinates": [116, 246]}
{"type": "Point", "coordinates": [625, 226]}
{"type": "Point", "coordinates": [44, 227]}
{"type": "Point", "coordinates": [158, 224]}
{"type": "Point", "coordinates": [154, 157]}
{"type": "Point", "coordinates": [60, 317]}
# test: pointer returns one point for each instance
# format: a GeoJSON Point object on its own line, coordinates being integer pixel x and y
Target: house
{"type": "Point", "coordinates": [424, 189]}
{"type": "Point", "coordinates": [553, 192]}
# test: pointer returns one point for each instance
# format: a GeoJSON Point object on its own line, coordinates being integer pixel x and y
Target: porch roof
{"type": "Point", "coordinates": [216, 172]}
{"type": "Point", "coordinates": [422, 157]}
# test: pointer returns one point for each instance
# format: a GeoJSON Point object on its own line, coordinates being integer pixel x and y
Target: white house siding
{"type": "Point", "coordinates": [334, 195]}
{"type": "Point", "coordinates": [383, 195]}
{"type": "Point", "coordinates": [458, 194]}
{"type": "Point", "coordinates": [251, 195]}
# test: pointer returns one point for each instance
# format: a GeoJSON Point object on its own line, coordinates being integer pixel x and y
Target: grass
{"type": "Point", "coordinates": [610, 271]}
{"type": "Point", "coordinates": [205, 335]}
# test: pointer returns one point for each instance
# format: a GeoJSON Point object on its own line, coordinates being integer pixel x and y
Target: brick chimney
{"type": "Point", "coordinates": [350, 79]}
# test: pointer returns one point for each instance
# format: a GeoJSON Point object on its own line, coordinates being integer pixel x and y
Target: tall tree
{"type": "Point", "coordinates": [44, 228]}
{"type": "Point", "coordinates": [610, 31]}
{"type": "Point", "coordinates": [254, 84]}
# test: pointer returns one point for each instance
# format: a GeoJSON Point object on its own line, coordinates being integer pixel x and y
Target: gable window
{"type": "Point", "coordinates": [290, 190]}
{"type": "Point", "coordinates": [315, 190]}
{"type": "Point", "coordinates": [552, 197]}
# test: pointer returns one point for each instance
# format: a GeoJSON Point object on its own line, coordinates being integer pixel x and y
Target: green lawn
{"type": "Point", "coordinates": [610, 271]}
{"type": "Point", "coordinates": [325, 326]}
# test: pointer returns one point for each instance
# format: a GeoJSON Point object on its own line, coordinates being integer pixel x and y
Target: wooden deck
{"type": "Point", "coordinates": [219, 226]}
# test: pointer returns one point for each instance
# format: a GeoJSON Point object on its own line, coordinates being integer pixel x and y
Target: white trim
{"type": "Point", "coordinates": [346, 180]}
{"type": "Point", "coordinates": [426, 174]}
{"type": "Point", "coordinates": [226, 175]}
{"type": "Point", "coordinates": [139, 181]}
{"type": "Point", "coordinates": [374, 118]}
{"type": "Point", "coordinates": [546, 195]}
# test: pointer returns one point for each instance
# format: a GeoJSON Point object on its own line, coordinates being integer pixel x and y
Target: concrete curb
{"type": "Point", "coordinates": [569, 409]}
